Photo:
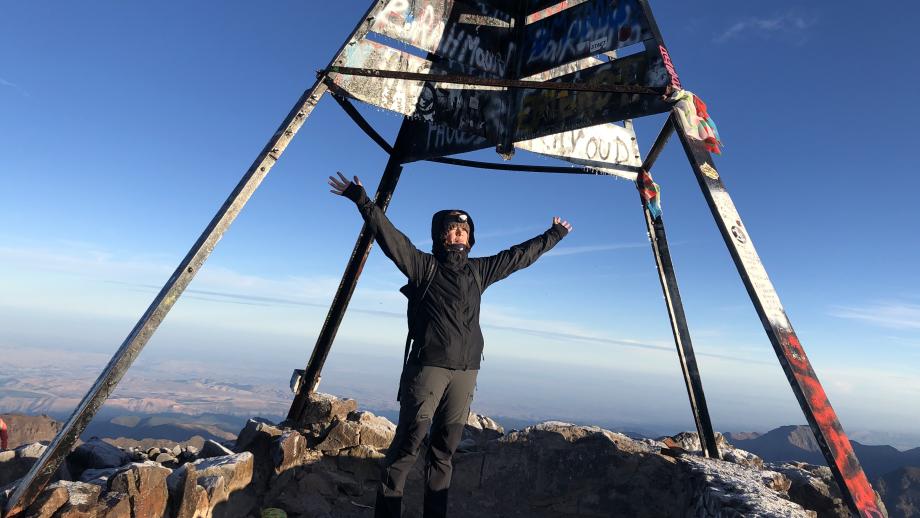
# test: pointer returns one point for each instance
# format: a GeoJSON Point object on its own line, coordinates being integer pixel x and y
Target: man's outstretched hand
{"type": "Point", "coordinates": [341, 183]}
{"type": "Point", "coordinates": [558, 220]}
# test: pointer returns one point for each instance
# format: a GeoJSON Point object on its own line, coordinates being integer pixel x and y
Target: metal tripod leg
{"type": "Point", "coordinates": [63, 442]}
{"type": "Point", "coordinates": [343, 294]}
{"type": "Point", "coordinates": [808, 390]}
{"type": "Point", "coordinates": [42, 471]}
{"type": "Point", "coordinates": [676, 314]}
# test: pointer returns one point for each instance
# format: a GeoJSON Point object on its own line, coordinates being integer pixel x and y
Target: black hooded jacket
{"type": "Point", "coordinates": [445, 326]}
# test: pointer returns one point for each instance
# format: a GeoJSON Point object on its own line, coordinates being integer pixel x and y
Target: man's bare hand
{"type": "Point", "coordinates": [341, 183]}
{"type": "Point", "coordinates": [562, 222]}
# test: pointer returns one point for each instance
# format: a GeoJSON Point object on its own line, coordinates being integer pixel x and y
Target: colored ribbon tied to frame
{"type": "Point", "coordinates": [650, 192]}
{"type": "Point", "coordinates": [695, 118]}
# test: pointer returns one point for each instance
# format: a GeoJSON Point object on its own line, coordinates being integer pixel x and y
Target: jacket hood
{"type": "Point", "coordinates": [437, 229]}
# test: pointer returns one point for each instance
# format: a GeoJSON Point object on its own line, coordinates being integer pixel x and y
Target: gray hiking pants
{"type": "Point", "coordinates": [430, 397]}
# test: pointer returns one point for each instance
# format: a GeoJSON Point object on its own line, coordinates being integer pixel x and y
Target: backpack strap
{"type": "Point", "coordinates": [476, 275]}
{"type": "Point", "coordinates": [426, 283]}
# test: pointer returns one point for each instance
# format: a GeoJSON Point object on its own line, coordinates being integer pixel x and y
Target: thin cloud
{"type": "Point", "coordinates": [14, 86]}
{"type": "Point", "coordinates": [788, 25]}
{"type": "Point", "coordinates": [894, 315]}
{"type": "Point", "coordinates": [496, 319]}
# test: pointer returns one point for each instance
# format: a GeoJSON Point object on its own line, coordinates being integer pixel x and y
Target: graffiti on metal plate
{"type": "Point", "coordinates": [430, 139]}
{"type": "Point", "coordinates": [604, 147]}
{"type": "Point", "coordinates": [448, 29]}
{"type": "Point", "coordinates": [478, 110]}
{"type": "Point", "coordinates": [589, 28]}
{"type": "Point", "coordinates": [544, 112]}
{"type": "Point", "coordinates": [396, 95]}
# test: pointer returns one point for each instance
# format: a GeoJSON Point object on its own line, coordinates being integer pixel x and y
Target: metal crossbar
{"type": "Point", "coordinates": [496, 82]}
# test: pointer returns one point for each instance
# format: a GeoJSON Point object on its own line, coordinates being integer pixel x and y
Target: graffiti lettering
{"type": "Point", "coordinates": [468, 48]}
{"type": "Point", "coordinates": [675, 82]}
{"type": "Point", "coordinates": [593, 146]}
{"type": "Point", "coordinates": [589, 28]}
{"type": "Point", "coordinates": [543, 112]}
{"type": "Point", "coordinates": [441, 136]}
{"type": "Point", "coordinates": [431, 26]}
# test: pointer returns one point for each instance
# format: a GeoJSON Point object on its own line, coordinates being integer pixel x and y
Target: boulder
{"type": "Point", "coordinates": [343, 434]}
{"type": "Point", "coordinates": [287, 451]}
{"type": "Point", "coordinates": [216, 490]}
{"type": "Point", "coordinates": [254, 432]}
{"type": "Point", "coordinates": [97, 454]}
{"type": "Point", "coordinates": [361, 462]}
{"type": "Point", "coordinates": [725, 489]}
{"type": "Point", "coordinates": [48, 501]}
{"type": "Point", "coordinates": [813, 487]}
{"type": "Point", "coordinates": [484, 424]}
{"type": "Point", "coordinates": [374, 431]}
{"type": "Point", "coordinates": [14, 464]}
{"type": "Point", "coordinates": [66, 499]}
{"type": "Point", "coordinates": [236, 470]}
{"type": "Point", "coordinates": [166, 458]}
{"type": "Point", "coordinates": [145, 485]}
{"type": "Point", "coordinates": [113, 505]}
{"type": "Point", "coordinates": [213, 448]}
{"type": "Point", "coordinates": [100, 477]}
{"type": "Point", "coordinates": [323, 408]}
{"type": "Point", "coordinates": [690, 442]}
{"type": "Point", "coordinates": [183, 496]}
{"type": "Point", "coordinates": [479, 430]}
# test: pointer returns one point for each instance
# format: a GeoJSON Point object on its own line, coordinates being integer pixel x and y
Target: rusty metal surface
{"type": "Point", "coordinates": [808, 391]}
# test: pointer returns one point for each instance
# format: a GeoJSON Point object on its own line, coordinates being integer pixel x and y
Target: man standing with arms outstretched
{"type": "Point", "coordinates": [440, 368]}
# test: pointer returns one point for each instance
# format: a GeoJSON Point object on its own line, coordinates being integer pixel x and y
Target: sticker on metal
{"type": "Point", "coordinates": [709, 171]}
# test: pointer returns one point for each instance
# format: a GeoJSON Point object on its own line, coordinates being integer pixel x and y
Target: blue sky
{"type": "Point", "coordinates": [123, 127]}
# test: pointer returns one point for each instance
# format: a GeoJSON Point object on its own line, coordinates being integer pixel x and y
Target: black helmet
{"type": "Point", "coordinates": [442, 219]}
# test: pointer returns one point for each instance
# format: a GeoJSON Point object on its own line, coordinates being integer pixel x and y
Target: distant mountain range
{"type": "Point", "coordinates": [788, 443]}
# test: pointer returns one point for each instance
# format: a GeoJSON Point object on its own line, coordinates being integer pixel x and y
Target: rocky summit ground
{"type": "Point", "coordinates": [329, 467]}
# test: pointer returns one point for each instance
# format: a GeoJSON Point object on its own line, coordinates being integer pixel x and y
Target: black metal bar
{"type": "Point", "coordinates": [359, 119]}
{"type": "Point", "coordinates": [496, 82]}
{"type": "Point", "coordinates": [41, 472]}
{"type": "Point", "coordinates": [525, 168]}
{"type": "Point", "coordinates": [676, 315]}
{"type": "Point", "coordinates": [505, 146]}
{"type": "Point", "coordinates": [808, 391]}
{"type": "Point", "coordinates": [344, 292]}
{"type": "Point", "coordinates": [48, 463]}
{"type": "Point", "coordinates": [681, 332]}
{"type": "Point", "coordinates": [663, 136]}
